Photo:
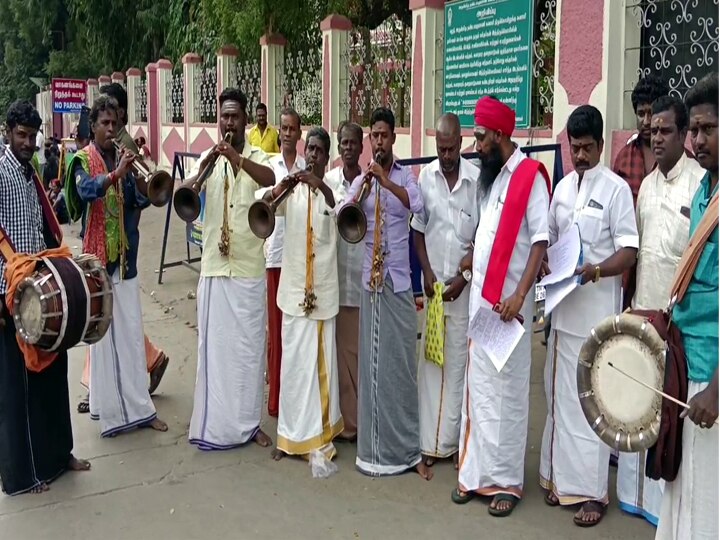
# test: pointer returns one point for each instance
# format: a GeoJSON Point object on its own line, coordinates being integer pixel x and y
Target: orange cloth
{"type": "Point", "coordinates": [153, 355]}
{"type": "Point", "coordinates": [20, 266]}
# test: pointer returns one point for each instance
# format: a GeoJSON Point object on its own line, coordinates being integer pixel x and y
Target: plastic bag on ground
{"type": "Point", "coordinates": [321, 466]}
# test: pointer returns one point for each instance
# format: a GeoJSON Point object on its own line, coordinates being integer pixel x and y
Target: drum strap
{"type": "Point", "coordinates": [7, 249]}
{"type": "Point", "coordinates": [691, 256]}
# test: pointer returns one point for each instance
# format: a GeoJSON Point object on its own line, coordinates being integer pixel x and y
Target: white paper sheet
{"type": "Point", "coordinates": [497, 338]}
{"type": "Point", "coordinates": [563, 257]}
{"type": "Point", "coordinates": [557, 291]}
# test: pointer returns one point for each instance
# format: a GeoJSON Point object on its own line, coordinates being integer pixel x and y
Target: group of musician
{"type": "Point", "coordinates": [336, 321]}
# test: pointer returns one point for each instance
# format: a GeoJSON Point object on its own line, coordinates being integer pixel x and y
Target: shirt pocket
{"type": "Point", "coordinates": [590, 223]}
{"type": "Point", "coordinates": [676, 231]}
{"type": "Point", "coordinates": [464, 226]}
{"type": "Point", "coordinates": [706, 272]}
{"type": "Point", "coordinates": [321, 226]}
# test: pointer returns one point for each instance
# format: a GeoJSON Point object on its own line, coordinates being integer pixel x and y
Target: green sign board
{"type": "Point", "coordinates": [488, 51]}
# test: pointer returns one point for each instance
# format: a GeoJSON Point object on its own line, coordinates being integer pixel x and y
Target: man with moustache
{"type": "Point", "coordinates": [102, 181]}
{"type": "Point", "coordinates": [309, 417]}
{"type": "Point", "coordinates": [509, 246]}
{"type": "Point", "coordinates": [663, 219]}
{"type": "Point", "coordinates": [388, 430]}
{"type": "Point", "coordinates": [284, 164]}
{"type": "Point", "coordinates": [36, 439]}
{"type": "Point", "coordinates": [690, 501]}
{"type": "Point", "coordinates": [636, 159]}
{"type": "Point", "coordinates": [443, 233]}
{"type": "Point", "coordinates": [350, 261]}
{"type": "Point", "coordinates": [231, 292]}
{"type": "Point", "coordinates": [574, 461]}
{"type": "Point", "coordinates": [262, 134]}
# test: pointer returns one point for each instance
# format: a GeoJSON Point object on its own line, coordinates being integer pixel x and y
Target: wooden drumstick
{"type": "Point", "coordinates": [663, 394]}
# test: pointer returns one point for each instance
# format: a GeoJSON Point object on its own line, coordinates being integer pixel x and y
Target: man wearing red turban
{"type": "Point", "coordinates": [510, 244]}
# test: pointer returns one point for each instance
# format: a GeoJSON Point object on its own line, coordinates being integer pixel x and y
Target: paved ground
{"type": "Point", "coordinates": [155, 485]}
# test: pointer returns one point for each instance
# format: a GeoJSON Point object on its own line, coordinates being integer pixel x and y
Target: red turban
{"type": "Point", "coordinates": [494, 115]}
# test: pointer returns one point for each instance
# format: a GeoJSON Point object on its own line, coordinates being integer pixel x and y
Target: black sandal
{"type": "Point", "coordinates": [502, 497]}
{"type": "Point", "coordinates": [462, 497]}
{"type": "Point", "coordinates": [157, 373]}
{"type": "Point", "coordinates": [551, 499]}
{"type": "Point", "coordinates": [590, 507]}
{"type": "Point", "coordinates": [84, 406]}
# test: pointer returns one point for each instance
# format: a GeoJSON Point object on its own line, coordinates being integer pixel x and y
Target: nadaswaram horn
{"type": "Point", "coordinates": [157, 186]}
{"type": "Point", "coordinates": [187, 197]}
{"type": "Point", "coordinates": [351, 220]}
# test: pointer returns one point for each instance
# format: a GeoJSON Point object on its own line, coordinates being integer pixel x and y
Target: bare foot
{"type": "Point", "coordinates": [42, 488]}
{"type": "Point", "coordinates": [456, 462]}
{"type": "Point", "coordinates": [157, 425]}
{"type": "Point", "coordinates": [424, 471]}
{"type": "Point", "coordinates": [76, 464]}
{"type": "Point", "coordinates": [262, 439]}
{"type": "Point", "coordinates": [278, 454]}
{"type": "Point", "coordinates": [429, 460]}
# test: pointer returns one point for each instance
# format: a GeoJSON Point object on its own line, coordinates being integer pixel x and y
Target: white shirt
{"type": "Point", "coordinates": [274, 243]}
{"type": "Point", "coordinates": [40, 143]}
{"type": "Point", "coordinates": [603, 209]}
{"type": "Point", "coordinates": [533, 229]}
{"type": "Point", "coordinates": [448, 221]}
{"type": "Point", "coordinates": [291, 290]}
{"type": "Point", "coordinates": [663, 221]}
{"type": "Point", "coordinates": [349, 256]}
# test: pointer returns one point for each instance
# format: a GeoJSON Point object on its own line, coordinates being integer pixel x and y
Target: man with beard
{"type": "Point", "coordinates": [443, 233]}
{"type": "Point", "coordinates": [574, 461]}
{"type": "Point", "coordinates": [286, 163]}
{"type": "Point", "coordinates": [263, 135]}
{"type": "Point", "coordinates": [35, 431]}
{"type": "Point", "coordinates": [690, 501]}
{"type": "Point", "coordinates": [510, 244]}
{"type": "Point", "coordinates": [663, 218]}
{"type": "Point", "coordinates": [388, 424]}
{"type": "Point", "coordinates": [350, 260]}
{"type": "Point", "coordinates": [309, 416]}
{"type": "Point", "coordinates": [231, 292]}
{"type": "Point", "coordinates": [102, 181]}
{"type": "Point", "coordinates": [636, 159]}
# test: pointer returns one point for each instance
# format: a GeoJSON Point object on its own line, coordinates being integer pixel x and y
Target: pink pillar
{"type": "Point", "coordinates": [272, 54]}
{"type": "Point", "coordinates": [103, 80]}
{"type": "Point", "coordinates": [92, 89]}
{"type": "Point", "coordinates": [191, 62]}
{"type": "Point", "coordinates": [153, 111]}
{"type": "Point", "coordinates": [117, 77]}
{"type": "Point", "coordinates": [335, 29]}
{"type": "Point", "coordinates": [133, 80]}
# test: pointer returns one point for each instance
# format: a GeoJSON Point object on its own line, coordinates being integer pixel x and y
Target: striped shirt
{"type": "Point", "coordinates": [20, 211]}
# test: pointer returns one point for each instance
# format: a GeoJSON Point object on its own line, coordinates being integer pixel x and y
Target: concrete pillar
{"type": "Point", "coordinates": [92, 90]}
{"type": "Point", "coordinates": [335, 31]}
{"type": "Point", "coordinates": [164, 73]}
{"type": "Point", "coordinates": [153, 111]}
{"type": "Point", "coordinates": [118, 77]}
{"type": "Point", "coordinates": [226, 68]}
{"type": "Point", "coordinates": [426, 103]}
{"type": "Point", "coordinates": [103, 80]}
{"type": "Point", "coordinates": [133, 81]}
{"type": "Point", "coordinates": [191, 63]}
{"type": "Point", "coordinates": [272, 55]}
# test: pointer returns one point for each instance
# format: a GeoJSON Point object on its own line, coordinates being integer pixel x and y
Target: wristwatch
{"type": "Point", "coordinates": [597, 274]}
{"type": "Point", "coordinates": [467, 275]}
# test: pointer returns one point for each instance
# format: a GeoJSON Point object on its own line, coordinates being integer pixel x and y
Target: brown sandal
{"type": "Point", "coordinates": [590, 507]}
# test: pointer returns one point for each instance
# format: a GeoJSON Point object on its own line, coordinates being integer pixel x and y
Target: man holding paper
{"type": "Point", "coordinates": [574, 461]}
{"type": "Point", "coordinates": [510, 243]}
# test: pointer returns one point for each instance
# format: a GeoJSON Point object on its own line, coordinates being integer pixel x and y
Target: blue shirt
{"type": "Point", "coordinates": [91, 188]}
{"type": "Point", "coordinates": [697, 315]}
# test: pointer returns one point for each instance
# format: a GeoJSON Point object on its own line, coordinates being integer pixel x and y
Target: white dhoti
{"type": "Point", "coordinates": [231, 362]}
{"type": "Point", "coordinates": [637, 493]}
{"type": "Point", "coordinates": [309, 416]}
{"type": "Point", "coordinates": [690, 503]}
{"type": "Point", "coordinates": [440, 391]}
{"type": "Point", "coordinates": [119, 396]}
{"type": "Point", "coordinates": [574, 460]}
{"type": "Point", "coordinates": [495, 420]}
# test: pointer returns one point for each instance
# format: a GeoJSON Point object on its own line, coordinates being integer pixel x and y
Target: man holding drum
{"type": "Point", "coordinates": [574, 461]}
{"type": "Point", "coordinates": [663, 218]}
{"type": "Point", "coordinates": [690, 502]}
{"type": "Point", "coordinates": [36, 438]}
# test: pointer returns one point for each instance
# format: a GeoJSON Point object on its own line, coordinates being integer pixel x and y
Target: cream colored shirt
{"type": "Point", "coordinates": [246, 250]}
{"type": "Point", "coordinates": [291, 291]}
{"type": "Point", "coordinates": [603, 209]}
{"type": "Point", "coordinates": [663, 220]}
{"type": "Point", "coordinates": [274, 243]}
{"type": "Point", "coordinates": [350, 256]}
{"type": "Point", "coordinates": [533, 229]}
{"type": "Point", "coordinates": [448, 221]}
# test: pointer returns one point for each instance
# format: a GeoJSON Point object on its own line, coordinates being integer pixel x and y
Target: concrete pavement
{"type": "Point", "coordinates": [150, 485]}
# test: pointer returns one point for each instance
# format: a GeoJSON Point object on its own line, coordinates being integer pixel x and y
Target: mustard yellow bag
{"type": "Point", "coordinates": [435, 327]}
